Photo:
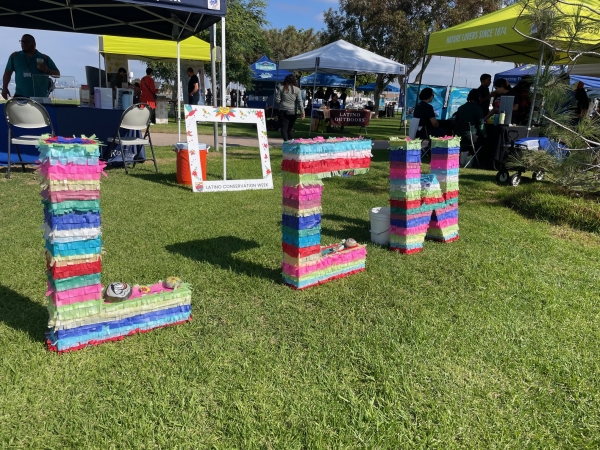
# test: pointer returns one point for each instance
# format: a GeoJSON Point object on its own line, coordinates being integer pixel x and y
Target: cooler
{"type": "Point", "coordinates": [184, 175]}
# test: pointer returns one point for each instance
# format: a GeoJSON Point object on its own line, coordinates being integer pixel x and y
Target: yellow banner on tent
{"type": "Point", "coordinates": [191, 49]}
{"type": "Point", "coordinates": [493, 36]}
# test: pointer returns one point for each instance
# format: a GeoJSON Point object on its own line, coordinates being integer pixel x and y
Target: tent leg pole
{"type": "Point", "coordinates": [312, 105]}
{"type": "Point", "coordinates": [422, 69]}
{"type": "Point", "coordinates": [213, 75]}
{"type": "Point", "coordinates": [178, 90]}
{"type": "Point", "coordinates": [275, 90]}
{"type": "Point", "coordinates": [223, 96]}
{"type": "Point", "coordinates": [535, 89]}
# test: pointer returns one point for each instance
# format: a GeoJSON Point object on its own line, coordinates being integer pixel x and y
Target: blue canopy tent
{"type": "Point", "coordinates": [266, 70]}
{"type": "Point", "coordinates": [265, 75]}
{"type": "Point", "coordinates": [327, 80]}
{"type": "Point", "coordinates": [513, 76]}
{"type": "Point", "coordinates": [371, 87]}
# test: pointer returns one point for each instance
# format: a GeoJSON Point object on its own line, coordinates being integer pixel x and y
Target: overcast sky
{"type": "Point", "coordinates": [71, 52]}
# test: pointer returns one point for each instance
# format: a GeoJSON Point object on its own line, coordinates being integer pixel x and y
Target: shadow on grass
{"type": "Point", "coordinates": [166, 179]}
{"type": "Point", "coordinates": [22, 314]}
{"type": "Point", "coordinates": [357, 229]}
{"type": "Point", "coordinates": [220, 251]}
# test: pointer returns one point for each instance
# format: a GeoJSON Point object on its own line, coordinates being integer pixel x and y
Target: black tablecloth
{"type": "Point", "coordinates": [497, 136]}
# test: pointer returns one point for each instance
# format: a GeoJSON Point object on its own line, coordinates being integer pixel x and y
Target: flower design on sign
{"type": "Point", "coordinates": [192, 152]}
{"type": "Point", "coordinates": [268, 171]}
{"type": "Point", "coordinates": [190, 114]}
{"type": "Point", "coordinates": [194, 173]}
{"type": "Point", "coordinates": [259, 113]}
{"type": "Point", "coordinates": [224, 113]}
{"type": "Point", "coordinates": [266, 156]}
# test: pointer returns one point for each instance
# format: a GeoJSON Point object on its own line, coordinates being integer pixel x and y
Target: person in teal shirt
{"type": "Point", "coordinates": [32, 71]}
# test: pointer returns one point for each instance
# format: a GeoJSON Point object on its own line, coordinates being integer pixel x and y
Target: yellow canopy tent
{"type": "Point", "coordinates": [492, 36]}
{"type": "Point", "coordinates": [189, 51]}
{"type": "Point", "coordinates": [192, 49]}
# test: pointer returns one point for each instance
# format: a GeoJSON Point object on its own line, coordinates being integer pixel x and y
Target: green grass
{"type": "Point", "coordinates": [552, 204]}
{"type": "Point", "coordinates": [488, 342]}
{"type": "Point", "coordinates": [378, 129]}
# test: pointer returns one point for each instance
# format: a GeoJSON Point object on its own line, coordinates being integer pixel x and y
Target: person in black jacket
{"type": "Point", "coordinates": [425, 112]}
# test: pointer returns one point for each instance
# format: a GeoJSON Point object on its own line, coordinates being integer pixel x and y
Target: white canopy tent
{"type": "Point", "coordinates": [343, 58]}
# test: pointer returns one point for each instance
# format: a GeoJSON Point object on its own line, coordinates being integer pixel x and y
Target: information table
{"type": "Point", "coordinates": [68, 121]}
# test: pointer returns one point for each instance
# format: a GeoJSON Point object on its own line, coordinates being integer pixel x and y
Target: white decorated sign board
{"type": "Point", "coordinates": [198, 113]}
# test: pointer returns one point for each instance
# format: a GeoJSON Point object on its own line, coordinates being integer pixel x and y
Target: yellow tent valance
{"type": "Point", "coordinates": [191, 49]}
{"type": "Point", "coordinates": [492, 36]}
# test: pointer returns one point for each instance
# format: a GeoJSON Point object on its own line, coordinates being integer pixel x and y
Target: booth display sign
{"type": "Point", "coordinates": [346, 118]}
{"type": "Point", "coordinates": [195, 113]}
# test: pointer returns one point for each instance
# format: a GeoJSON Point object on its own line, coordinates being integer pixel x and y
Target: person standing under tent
{"type": "Point", "coordinates": [290, 101]}
{"type": "Point", "coordinates": [149, 90]}
{"type": "Point", "coordinates": [209, 97]}
{"type": "Point", "coordinates": [32, 70]}
{"type": "Point", "coordinates": [502, 88]}
{"type": "Point", "coordinates": [328, 94]}
{"type": "Point", "coordinates": [117, 80]}
{"type": "Point", "coordinates": [193, 87]}
{"type": "Point", "coordinates": [484, 93]}
{"type": "Point", "coordinates": [343, 97]}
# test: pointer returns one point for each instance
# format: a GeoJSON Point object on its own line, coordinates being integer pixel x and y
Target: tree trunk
{"type": "Point", "coordinates": [378, 90]}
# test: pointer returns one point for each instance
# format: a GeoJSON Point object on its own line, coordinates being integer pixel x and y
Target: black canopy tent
{"type": "Point", "coordinates": [152, 19]}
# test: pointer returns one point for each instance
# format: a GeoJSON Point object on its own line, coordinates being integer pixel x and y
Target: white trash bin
{"type": "Point", "coordinates": [380, 225]}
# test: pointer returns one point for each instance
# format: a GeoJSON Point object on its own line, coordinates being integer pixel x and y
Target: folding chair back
{"type": "Point", "coordinates": [413, 127]}
{"type": "Point", "coordinates": [136, 117]}
{"type": "Point", "coordinates": [26, 113]}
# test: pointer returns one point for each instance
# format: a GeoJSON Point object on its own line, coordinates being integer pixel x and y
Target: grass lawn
{"type": "Point", "coordinates": [378, 129]}
{"type": "Point", "coordinates": [489, 342]}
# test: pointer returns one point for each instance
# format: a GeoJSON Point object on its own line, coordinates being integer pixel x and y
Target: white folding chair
{"type": "Point", "coordinates": [414, 130]}
{"type": "Point", "coordinates": [28, 114]}
{"type": "Point", "coordinates": [136, 118]}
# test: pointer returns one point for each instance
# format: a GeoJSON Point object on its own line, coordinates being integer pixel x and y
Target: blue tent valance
{"type": "Point", "coordinates": [266, 70]}
{"type": "Point", "coordinates": [327, 80]}
{"type": "Point", "coordinates": [371, 87]}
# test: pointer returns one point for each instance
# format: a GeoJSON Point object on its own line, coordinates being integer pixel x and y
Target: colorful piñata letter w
{"type": "Point", "coordinates": [305, 163]}
{"type": "Point", "coordinates": [423, 206]}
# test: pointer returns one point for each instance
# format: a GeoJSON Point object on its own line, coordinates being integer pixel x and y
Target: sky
{"type": "Point", "coordinates": [71, 51]}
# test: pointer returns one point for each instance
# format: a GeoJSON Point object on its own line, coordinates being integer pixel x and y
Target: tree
{"type": "Point", "coordinates": [567, 31]}
{"type": "Point", "coordinates": [397, 29]}
{"type": "Point", "coordinates": [244, 38]}
{"type": "Point", "coordinates": [288, 42]}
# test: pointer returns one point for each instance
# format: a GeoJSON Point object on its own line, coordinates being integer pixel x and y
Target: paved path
{"type": "Point", "coordinates": [168, 139]}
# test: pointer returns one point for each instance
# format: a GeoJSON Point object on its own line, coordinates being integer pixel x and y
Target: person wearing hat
{"type": "Point", "coordinates": [424, 111]}
{"type": "Point", "coordinates": [501, 89]}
